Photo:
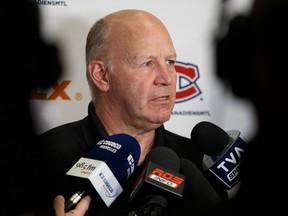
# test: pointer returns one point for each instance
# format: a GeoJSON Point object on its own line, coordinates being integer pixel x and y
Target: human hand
{"type": "Point", "coordinates": [79, 210]}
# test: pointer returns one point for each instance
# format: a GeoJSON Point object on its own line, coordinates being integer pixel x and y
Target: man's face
{"type": "Point", "coordinates": [143, 82]}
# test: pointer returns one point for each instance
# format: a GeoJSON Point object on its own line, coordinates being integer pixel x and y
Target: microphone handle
{"type": "Point", "coordinates": [156, 206]}
{"type": "Point", "coordinates": [74, 200]}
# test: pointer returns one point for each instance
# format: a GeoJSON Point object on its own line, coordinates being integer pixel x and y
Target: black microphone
{"type": "Point", "coordinates": [109, 164]}
{"type": "Point", "coordinates": [159, 182]}
{"type": "Point", "coordinates": [154, 205]}
{"type": "Point", "coordinates": [204, 197]}
{"type": "Point", "coordinates": [223, 153]}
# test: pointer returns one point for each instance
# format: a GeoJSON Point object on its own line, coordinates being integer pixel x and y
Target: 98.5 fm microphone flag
{"type": "Point", "coordinates": [109, 164]}
{"type": "Point", "coordinates": [100, 176]}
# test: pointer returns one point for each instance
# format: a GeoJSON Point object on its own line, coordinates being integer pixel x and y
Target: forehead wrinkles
{"type": "Point", "coordinates": [131, 34]}
{"type": "Point", "coordinates": [123, 38]}
{"type": "Point", "coordinates": [118, 40]}
{"type": "Point", "coordinates": [128, 23]}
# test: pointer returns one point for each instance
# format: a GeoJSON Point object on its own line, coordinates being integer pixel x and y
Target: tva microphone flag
{"type": "Point", "coordinates": [111, 161]}
{"type": "Point", "coordinates": [223, 151]}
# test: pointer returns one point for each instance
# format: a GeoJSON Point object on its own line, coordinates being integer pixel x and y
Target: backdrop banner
{"type": "Point", "coordinates": [201, 96]}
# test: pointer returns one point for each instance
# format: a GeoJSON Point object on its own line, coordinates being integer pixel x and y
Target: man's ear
{"type": "Point", "coordinates": [98, 74]}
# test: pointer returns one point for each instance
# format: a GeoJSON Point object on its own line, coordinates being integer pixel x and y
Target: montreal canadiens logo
{"type": "Point", "coordinates": [186, 87]}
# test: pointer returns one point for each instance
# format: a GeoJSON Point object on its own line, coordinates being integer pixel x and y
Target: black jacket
{"type": "Point", "coordinates": [61, 147]}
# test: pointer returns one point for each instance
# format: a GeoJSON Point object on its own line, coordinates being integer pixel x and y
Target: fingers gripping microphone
{"type": "Point", "coordinates": [204, 197]}
{"type": "Point", "coordinates": [109, 164]}
{"type": "Point", "coordinates": [222, 153]}
{"type": "Point", "coordinates": [159, 183]}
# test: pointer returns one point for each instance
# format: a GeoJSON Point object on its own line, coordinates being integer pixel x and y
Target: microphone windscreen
{"type": "Point", "coordinates": [165, 157]}
{"type": "Point", "coordinates": [210, 138]}
{"type": "Point", "coordinates": [198, 186]}
{"type": "Point", "coordinates": [121, 153]}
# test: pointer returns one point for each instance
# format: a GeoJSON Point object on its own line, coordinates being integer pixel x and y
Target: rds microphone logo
{"type": "Point", "coordinates": [186, 87]}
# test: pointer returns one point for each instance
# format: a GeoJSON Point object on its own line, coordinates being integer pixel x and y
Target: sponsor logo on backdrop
{"type": "Point", "coordinates": [57, 91]}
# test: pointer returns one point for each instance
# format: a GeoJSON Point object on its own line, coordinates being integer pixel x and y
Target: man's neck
{"type": "Point", "coordinates": [114, 125]}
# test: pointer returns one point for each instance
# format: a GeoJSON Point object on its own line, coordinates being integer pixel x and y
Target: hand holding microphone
{"type": "Point", "coordinates": [80, 208]}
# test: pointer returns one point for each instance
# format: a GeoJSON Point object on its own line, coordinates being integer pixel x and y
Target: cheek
{"type": "Point", "coordinates": [139, 87]}
{"type": "Point", "coordinates": [140, 83]}
{"type": "Point", "coordinates": [174, 77]}
{"type": "Point", "coordinates": [138, 90]}
{"type": "Point", "coordinates": [174, 81]}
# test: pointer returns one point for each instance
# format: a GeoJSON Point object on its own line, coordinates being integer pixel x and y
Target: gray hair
{"type": "Point", "coordinates": [97, 48]}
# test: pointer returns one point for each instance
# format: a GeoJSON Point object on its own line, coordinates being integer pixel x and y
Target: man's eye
{"type": "Point", "coordinates": [147, 64]}
{"type": "Point", "coordinates": [170, 62]}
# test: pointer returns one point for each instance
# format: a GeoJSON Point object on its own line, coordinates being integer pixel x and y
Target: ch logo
{"type": "Point", "coordinates": [187, 75]}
